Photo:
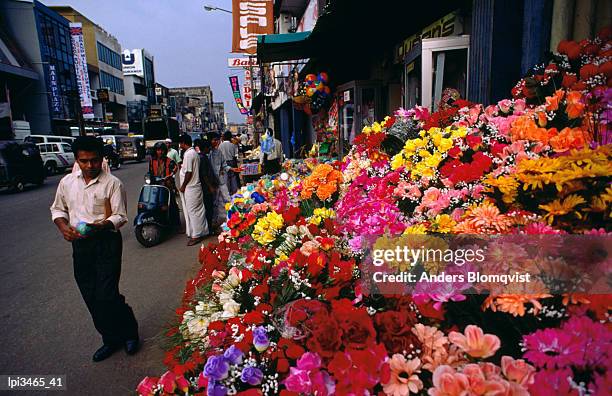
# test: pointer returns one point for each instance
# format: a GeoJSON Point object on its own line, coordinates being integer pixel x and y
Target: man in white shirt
{"type": "Point", "coordinates": [172, 153]}
{"type": "Point", "coordinates": [89, 208]}
{"type": "Point", "coordinates": [192, 198]}
{"type": "Point", "coordinates": [230, 154]}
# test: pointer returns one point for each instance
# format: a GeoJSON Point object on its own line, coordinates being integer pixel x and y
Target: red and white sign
{"type": "Point", "coordinates": [80, 68]}
{"type": "Point", "coordinates": [247, 89]}
{"type": "Point", "coordinates": [242, 62]}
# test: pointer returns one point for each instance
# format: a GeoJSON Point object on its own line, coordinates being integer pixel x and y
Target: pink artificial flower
{"type": "Point", "coordinates": [309, 247]}
{"type": "Point", "coordinates": [517, 371]}
{"type": "Point", "coordinates": [404, 379]}
{"type": "Point", "coordinates": [519, 106]}
{"type": "Point", "coordinates": [309, 361]}
{"type": "Point", "coordinates": [475, 343]}
{"type": "Point", "coordinates": [552, 348]}
{"type": "Point", "coordinates": [553, 382]}
{"type": "Point", "coordinates": [490, 111]}
{"type": "Point", "coordinates": [447, 382]}
{"type": "Point", "coordinates": [147, 386]}
{"type": "Point", "coordinates": [504, 105]}
{"type": "Point", "coordinates": [298, 381]}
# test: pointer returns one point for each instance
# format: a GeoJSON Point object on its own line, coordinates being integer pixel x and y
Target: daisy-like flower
{"type": "Point", "coordinates": [404, 379]}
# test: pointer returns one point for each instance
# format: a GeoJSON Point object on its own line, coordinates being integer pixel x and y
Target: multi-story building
{"type": "Point", "coordinates": [139, 75]}
{"type": "Point", "coordinates": [43, 35]}
{"type": "Point", "coordinates": [218, 120]}
{"type": "Point", "coordinates": [193, 106]}
{"type": "Point", "coordinates": [103, 66]}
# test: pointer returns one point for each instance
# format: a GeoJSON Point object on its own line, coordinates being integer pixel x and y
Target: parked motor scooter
{"type": "Point", "coordinates": [153, 220]}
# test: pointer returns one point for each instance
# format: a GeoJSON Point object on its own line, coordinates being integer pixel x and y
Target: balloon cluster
{"type": "Point", "coordinates": [314, 93]}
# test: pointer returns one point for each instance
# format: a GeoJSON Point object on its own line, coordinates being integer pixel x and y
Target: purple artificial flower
{"type": "Point", "coordinates": [215, 389]}
{"type": "Point", "coordinates": [233, 355]}
{"type": "Point", "coordinates": [260, 339]}
{"type": "Point", "coordinates": [251, 376]}
{"type": "Point", "coordinates": [216, 368]}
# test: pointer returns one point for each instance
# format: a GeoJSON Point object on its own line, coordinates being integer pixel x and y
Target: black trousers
{"type": "Point", "coordinates": [97, 269]}
{"type": "Point", "coordinates": [209, 206]}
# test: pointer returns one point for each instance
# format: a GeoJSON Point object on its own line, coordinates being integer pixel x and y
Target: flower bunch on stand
{"type": "Point", "coordinates": [281, 304]}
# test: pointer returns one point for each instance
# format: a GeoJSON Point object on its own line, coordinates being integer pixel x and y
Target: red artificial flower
{"type": "Point", "coordinates": [315, 263]}
{"type": "Point", "coordinates": [325, 338]}
{"type": "Point", "coordinates": [454, 152]}
{"type": "Point", "coordinates": [473, 141]}
{"type": "Point", "coordinates": [282, 366]}
{"type": "Point", "coordinates": [264, 308]}
{"type": "Point", "coordinates": [253, 318]}
{"type": "Point", "coordinates": [498, 148]}
{"type": "Point", "coordinates": [217, 325]}
{"type": "Point", "coordinates": [587, 71]}
{"type": "Point", "coordinates": [340, 364]}
{"type": "Point", "coordinates": [250, 392]}
{"type": "Point", "coordinates": [569, 80]}
{"type": "Point", "coordinates": [395, 330]}
{"type": "Point", "coordinates": [285, 392]}
{"type": "Point", "coordinates": [291, 214]}
{"type": "Point", "coordinates": [325, 242]}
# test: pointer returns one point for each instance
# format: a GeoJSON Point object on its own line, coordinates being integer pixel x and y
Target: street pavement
{"type": "Point", "coordinates": [45, 327]}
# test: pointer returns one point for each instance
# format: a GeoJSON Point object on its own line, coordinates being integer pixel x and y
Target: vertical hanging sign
{"type": "Point", "coordinates": [56, 100]}
{"type": "Point", "coordinates": [237, 96]}
{"type": "Point", "coordinates": [251, 18]}
{"type": "Point", "coordinates": [80, 68]}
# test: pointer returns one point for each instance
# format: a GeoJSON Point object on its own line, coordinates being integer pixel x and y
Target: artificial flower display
{"type": "Point", "coordinates": [281, 304]}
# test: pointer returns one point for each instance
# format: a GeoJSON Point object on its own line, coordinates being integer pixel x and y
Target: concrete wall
{"type": "Point", "coordinates": [20, 24]}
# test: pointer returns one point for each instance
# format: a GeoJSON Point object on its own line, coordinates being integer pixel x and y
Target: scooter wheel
{"type": "Point", "coordinates": [148, 235]}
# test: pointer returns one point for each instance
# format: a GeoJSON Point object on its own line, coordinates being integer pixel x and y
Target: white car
{"type": "Point", "coordinates": [57, 157]}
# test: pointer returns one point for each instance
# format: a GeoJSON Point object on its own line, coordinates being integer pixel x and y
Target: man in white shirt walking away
{"type": "Point", "coordinates": [89, 208]}
{"type": "Point", "coordinates": [192, 198]}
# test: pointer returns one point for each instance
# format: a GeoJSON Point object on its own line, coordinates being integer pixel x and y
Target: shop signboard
{"type": "Point", "coordinates": [158, 91]}
{"type": "Point", "coordinates": [237, 95]}
{"type": "Point", "coordinates": [251, 18]}
{"type": "Point", "coordinates": [56, 99]}
{"type": "Point", "coordinates": [132, 63]}
{"type": "Point", "coordinates": [103, 95]}
{"type": "Point", "coordinates": [347, 96]}
{"type": "Point", "coordinates": [449, 25]}
{"type": "Point", "coordinates": [242, 62]}
{"type": "Point", "coordinates": [80, 68]}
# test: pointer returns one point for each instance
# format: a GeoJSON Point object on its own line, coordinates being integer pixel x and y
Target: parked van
{"type": "Point", "coordinates": [20, 163]}
{"type": "Point", "coordinates": [48, 139]}
{"type": "Point", "coordinates": [57, 157]}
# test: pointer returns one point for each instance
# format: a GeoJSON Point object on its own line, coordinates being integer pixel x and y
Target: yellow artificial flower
{"type": "Point", "coordinates": [376, 127]}
{"type": "Point", "coordinates": [267, 228]}
{"type": "Point", "coordinates": [418, 229]}
{"type": "Point", "coordinates": [560, 208]}
{"type": "Point", "coordinates": [445, 145]}
{"type": "Point", "coordinates": [443, 223]}
{"type": "Point", "coordinates": [397, 161]}
{"type": "Point", "coordinates": [320, 214]}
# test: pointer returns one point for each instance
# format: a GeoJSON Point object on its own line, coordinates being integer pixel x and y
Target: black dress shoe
{"type": "Point", "coordinates": [131, 346]}
{"type": "Point", "coordinates": [104, 352]}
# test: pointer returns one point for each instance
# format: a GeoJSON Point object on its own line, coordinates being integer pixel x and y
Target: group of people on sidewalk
{"type": "Point", "coordinates": [208, 173]}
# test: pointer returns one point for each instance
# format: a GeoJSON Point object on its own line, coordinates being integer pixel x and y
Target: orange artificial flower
{"type": "Point", "coordinates": [552, 102]}
{"type": "Point", "coordinates": [569, 138]}
{"type": "Point", "coordinates": [575, 107]}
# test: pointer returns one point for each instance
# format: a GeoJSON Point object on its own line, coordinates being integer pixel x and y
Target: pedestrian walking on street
{"type": "Point", "coordinates": [192, 198]}
{"type": "Point", "coordinates": [220, 168]}
{"type": "Point", "coordinates": [208, 180]}
{"type": "Point", "coordinates": [89, 208]}
{"type": "Point", "coordinates": [172, 153]}
{"type": "Point", "coordinates": [230, 152]}
{"type": "Point", "coordinates": [271, 156]}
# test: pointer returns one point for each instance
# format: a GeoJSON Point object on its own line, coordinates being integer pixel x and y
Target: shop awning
{"type": "Point", "coordinates": [280, 47]}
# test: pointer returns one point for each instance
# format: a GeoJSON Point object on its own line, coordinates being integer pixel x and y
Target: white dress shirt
{"type": "Point", "coordinates": [76, 201]}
